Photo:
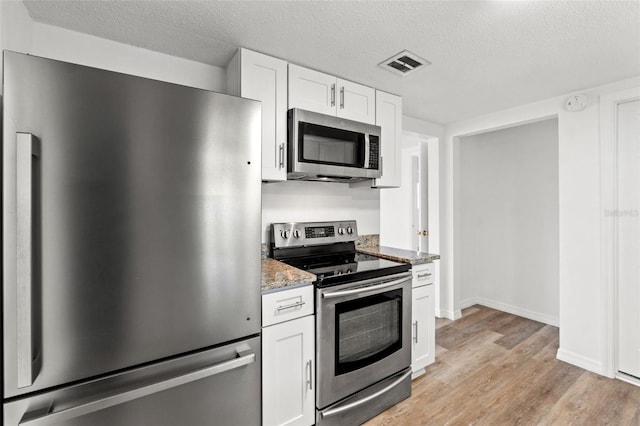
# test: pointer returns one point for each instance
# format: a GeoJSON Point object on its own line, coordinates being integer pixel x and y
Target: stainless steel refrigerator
{"type": "Point", "coordinates": [131, 250]}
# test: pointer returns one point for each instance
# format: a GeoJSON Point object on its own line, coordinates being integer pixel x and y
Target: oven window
{"type": "Point", "coordinates": [326, 145]}
{"type": "Point", "coordinates": [367, 330]}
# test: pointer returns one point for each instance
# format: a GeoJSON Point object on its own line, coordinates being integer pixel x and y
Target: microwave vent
{"type": "Point", "coordinates": [403, 63]}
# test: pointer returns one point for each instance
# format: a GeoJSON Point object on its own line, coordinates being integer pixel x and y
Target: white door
{"type": "Point", "coordinates": [389, 118]}
{"type": "Point", "coordinates": [627, 215]}
{"type": "Point", "coordinates": [416, 225]}
{"type": "Point", "coordinates": [312, 90]}
{"type": "Point", "coordinates": [264, 78]}
{"type": "Point", "coordinates": [288, 378]}
{"type": "Point", "coordinates": [423, 333]}
{"type": "Point", "coordinates": [356, 102]}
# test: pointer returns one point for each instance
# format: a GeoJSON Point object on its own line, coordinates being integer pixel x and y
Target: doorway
{"type": "Point", "coordinates": [414, 206]}
{"type": "Point", "coordinates": [620, 146]}
{"type": "Point", "coordinates": [627, 216]}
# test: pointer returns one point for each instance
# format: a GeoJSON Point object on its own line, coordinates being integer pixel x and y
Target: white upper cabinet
{"type": "Point", "coordinates": [319, 92]}
{"type": "Point", "coordinates": [264, 78]}
{"type": "Point", "coordinates": [389, 118]}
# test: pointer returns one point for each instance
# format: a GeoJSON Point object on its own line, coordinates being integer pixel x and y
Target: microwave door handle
{"type": "Point", "coordinates": [367, 151]}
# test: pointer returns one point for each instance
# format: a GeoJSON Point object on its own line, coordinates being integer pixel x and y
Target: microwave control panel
{"type": "Point", "coordinates": [374, 152]}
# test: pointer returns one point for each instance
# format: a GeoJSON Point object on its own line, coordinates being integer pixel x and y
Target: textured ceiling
{"type": "Point", "coordinates": [486, 55]}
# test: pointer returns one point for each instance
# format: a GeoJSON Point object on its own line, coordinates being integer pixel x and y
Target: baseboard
{"type": "Point", "coordinates": [510, 309]}
{"type": "Point", "coordinates": [449, 314]}
{"type": "Point", "coordinates": [467, 303]}
{"type": "Point", "coordinates": [629, 379]}
{"type": "Point", "coordinates": [580, 361]}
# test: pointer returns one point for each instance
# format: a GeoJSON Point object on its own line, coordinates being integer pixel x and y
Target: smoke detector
{"type": "Point", "coordinates": [577, 102]}
{"type": "Point", "coordinates": [403, 63]}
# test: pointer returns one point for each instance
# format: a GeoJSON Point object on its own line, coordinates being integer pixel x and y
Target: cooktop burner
{"type": "Point", "coordinates": [327, 250]}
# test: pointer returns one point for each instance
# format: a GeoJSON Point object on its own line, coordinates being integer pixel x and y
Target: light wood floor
{"type": "Point", "coordinates": [494, 368]}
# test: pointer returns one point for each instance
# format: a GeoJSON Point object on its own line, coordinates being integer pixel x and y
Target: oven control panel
{"type": "Point", "coordinates": [296, 234]}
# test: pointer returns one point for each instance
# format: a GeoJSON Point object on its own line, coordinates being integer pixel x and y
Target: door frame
{"type": "Point", "coordinates": [609, 227]}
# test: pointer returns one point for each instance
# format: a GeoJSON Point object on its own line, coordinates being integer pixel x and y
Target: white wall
{"type": "Point", "coordinates": [581, 316]}
{"type": "Point", "coordinates": [300, 201]}
{"type": "Point", "coordinates": [509, 220]}
{"type": "Point", "coordinates": [18, 32]}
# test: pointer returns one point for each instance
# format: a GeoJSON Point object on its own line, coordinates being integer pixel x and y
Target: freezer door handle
{"type": "Point", "coordinates": [26, 149]}
{"type": "Point", "coordinates": [241, 359]}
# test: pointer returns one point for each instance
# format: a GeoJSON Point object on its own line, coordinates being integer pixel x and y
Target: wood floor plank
{"type": "Point", "coordinates": [526, 408]}
{"type": "Point", "coordinates": [519, 333]}
{"type": "Point", "coordinates": [468, 357]}
{"type": "Point", "coordinates": [525, 350]}
{"type": "Point", "coordinates": [499, 369]}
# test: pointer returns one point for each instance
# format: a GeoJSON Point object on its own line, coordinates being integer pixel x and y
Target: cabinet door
{"type": "Point", "coordinates": [423, 332]}
{"type": "Point", "coordinates": [265, 79]}
{"type": "Point", "coordinates": [356, 102]}
{"type": "Point", "coordinates": [389, 118]}
{"type": "Point", "coordinates": [312, 90]}
{"type": "Point", "coordinates": [288, 373]}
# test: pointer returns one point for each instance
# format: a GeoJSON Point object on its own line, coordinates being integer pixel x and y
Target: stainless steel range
{"type": "Point", "coordinates": [363, 320]}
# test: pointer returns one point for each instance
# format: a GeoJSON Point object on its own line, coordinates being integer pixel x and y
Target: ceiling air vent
{"type": "Point", "coordinates": [403, 63]}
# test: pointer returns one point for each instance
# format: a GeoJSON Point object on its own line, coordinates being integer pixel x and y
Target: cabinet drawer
{"type": "Point", "coordinates": [423, 274]}
{"type": "Point", "coordinates": [286, 305]}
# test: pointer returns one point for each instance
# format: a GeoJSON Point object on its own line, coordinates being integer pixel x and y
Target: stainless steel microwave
{"type": "Point", "coordinates": [327, 148]}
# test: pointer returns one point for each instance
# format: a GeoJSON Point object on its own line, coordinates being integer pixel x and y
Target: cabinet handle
{"type": "Point", "coordinates": [333, 95]}
{"type": "Point", "coordinates": [381, 166]}
{"type": "Point", "coordinates": [281, 155]}
{"type": "Point", "coordinates": [293, 305]}
{"type": "Point", "coordinates": [310, 374]}
{"type": "Point", "coordinates": [423, 275]}
{"type": "Point", "coordinates": [415, 326]}
{"type": "Point", "coordinates": [342, 97]}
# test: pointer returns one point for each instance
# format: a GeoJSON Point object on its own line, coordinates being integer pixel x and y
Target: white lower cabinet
{"type": "Point", "coordinates": [423, 321]}
{"type": "Point", "coordinates": [288, 372]}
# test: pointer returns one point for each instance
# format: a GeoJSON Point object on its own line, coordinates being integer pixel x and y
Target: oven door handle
{"type": "Point", "coordinates": [367, 289]}
{"type": "Point", "coordinates": [364, 400]}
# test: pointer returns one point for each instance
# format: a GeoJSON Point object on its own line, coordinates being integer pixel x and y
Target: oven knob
{"type": "Point", "coordinates": [284, 234]}
{"type": "Point", "coordinates": [296, 233]}
{"type": "Point", "coordinates": [340, 231]}
{"type": "Point", "coordinates": [349, 230]}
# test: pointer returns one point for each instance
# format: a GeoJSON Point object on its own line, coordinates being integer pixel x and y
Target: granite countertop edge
{"type": "Point", "coordinates": [278, 276]}
{"type": "Point", "coordinates": [400, 255]}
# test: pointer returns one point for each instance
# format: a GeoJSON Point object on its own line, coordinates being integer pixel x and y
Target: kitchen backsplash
{"type": "Point", "coordinates": [371, 240]}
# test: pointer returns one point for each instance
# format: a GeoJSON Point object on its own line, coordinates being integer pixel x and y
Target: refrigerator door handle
{"type": "Point", "coordinates": [33, 419]}
{"type": "Point", "coordinates": [26, 149]}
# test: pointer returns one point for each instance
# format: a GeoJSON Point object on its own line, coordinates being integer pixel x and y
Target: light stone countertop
{"type": "Point", "coordinates": [400, 255]}
{"type": "Point", "coordinates": [280, 276]}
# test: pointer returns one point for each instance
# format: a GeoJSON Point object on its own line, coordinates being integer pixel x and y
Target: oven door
{"type": "Point", "coordinates": [363, 335]}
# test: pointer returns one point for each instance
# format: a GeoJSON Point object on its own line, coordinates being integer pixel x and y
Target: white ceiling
{"type": "Point", "coordinates": [486, 55]}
